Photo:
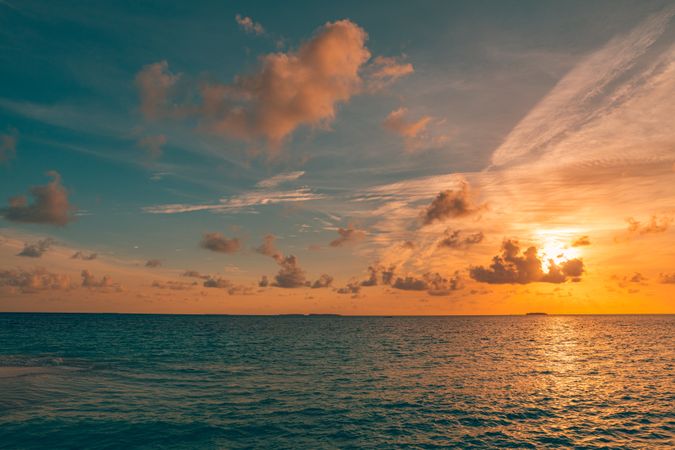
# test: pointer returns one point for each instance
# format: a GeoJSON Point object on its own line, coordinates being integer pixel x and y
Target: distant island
{"type": "Point", "coordinates": [536, 314]}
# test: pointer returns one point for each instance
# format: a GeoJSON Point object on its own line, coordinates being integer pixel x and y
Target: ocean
{"type": "Point", "coordinates": [106, 381]}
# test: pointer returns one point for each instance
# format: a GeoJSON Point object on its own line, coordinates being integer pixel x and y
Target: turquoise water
{"type": "Point", "coordinates": [136, 381]}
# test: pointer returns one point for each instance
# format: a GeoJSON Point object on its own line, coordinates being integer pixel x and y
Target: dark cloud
{"type": "Point", "coordinates": [347, 236]}
{"type": "Point", "coordinates": [408, 245]}
{"type": "Point", "coordinates": [194, 274]}
{"type": "Point", "coordinates": [512, 267]}
{"type": "Point", "coordinates": [667, 278]}
{"type": "Point", "coordinates": [50, 206]}
{"type": "Point", "coordinates": [35, 280]}
{"type": "Point", "coordinates": [450, 204]}
{"type": "Point", "coordinates": [379, 275]}
{"type": "Point", "coordinates": [351, 288]}
{"type": "Point", "coordinates": [104, 284]}
{"type": "Point", "coordinates": [84, 256]}
{"type": "Point", "coordinates": [290, 274]}
{"type": "Point", "coordinates": [216, 242]}
{"type": "Point", "coordinates": [581, 241]}
{"type": "Point", "coordinates": [36, 249]}
{"type": "Point", "coordinates": [457, 239]}
{"type": "Point", "coordinates": [434, 283]}
{"type": "Point", "coordinates": [654, 225]}
{"type": "Point", "coordinates": [229, 286]}
{"type": "Point", "coordinates": [8, 145]}
{"type": "Point", "coordinates": [264, 281]}
{"type": "Point", "coordinates": [174, 285]}
{"type": "Point", "coordinates": [324, 281]}
{"type": "Point", "coordinates": [152, 263]}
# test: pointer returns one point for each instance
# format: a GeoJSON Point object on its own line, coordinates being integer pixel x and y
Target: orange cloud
{"type": "Point", "coordinates": [154, 83]}
{"type": "Point", "coordinates": [50, 207]}
{"type": "Point", "coordinates": [397, 122]}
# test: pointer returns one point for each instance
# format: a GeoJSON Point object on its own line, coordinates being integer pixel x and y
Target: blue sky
{"type": "Point", "coordinates": [70, 96]}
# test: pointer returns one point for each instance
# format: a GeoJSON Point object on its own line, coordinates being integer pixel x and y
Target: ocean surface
{"type": "Point", "coordinates": [209, 382]}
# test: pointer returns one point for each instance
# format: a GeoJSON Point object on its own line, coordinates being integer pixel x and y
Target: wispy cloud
{"type": "Point", "coordinates": [240, 202]}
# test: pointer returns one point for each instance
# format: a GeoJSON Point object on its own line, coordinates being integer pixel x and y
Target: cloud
{"type": "Point", "coordinates": [174, 285]}
{"type": "Point", "coordinates": [83, 256]}
{"type": "Point", "coordinates": [237, 203]}
{"type": "Point", "coordinates": [104, 284]}
{"type": "Point", "coordinates": [351, 288]}
{"type": "Point", "coordinates": [655, 225]}
{"type": "Point", "coordinates": [667, 278]}
{"type": "Point", "coordinates": [281, 178]}
{"type": "Point", "coordinates": [155, 83]}
{"type": "Point", "coordinates": [450, 204]}
{"type": "Point", "coordinates": [581, 241]}
{"type": "Point", "coordinates": [229, 286]}
{"type": "Point", "coordinates": [348, 235]}
{"type": "Point", "coordinates": [193, 274]}
{"type": "Point", "coordinates": [385, 70]}
{"type": "Point", "coordinates": [35, 280]}
{"type": "Point", "coordinates": [434, 283]}
{"type": "Point", "coordinates": [264, 281]}
{"type": "Point", "coordinates": [597, 89]}
{"type": "Point", "coordinates": [396, 122]}
{"type": "Point", "coordinates": [8, 145]}
{"type": "Point", "coordinates": [410, 284]}
{"type": "Point", "coordinates": [247, 24]}
{"type": "Point", "coordinates": [379, 275]}
{"type": "Point", "coordinates": [152, 263]}
{"type": "Point", "coordinates": [287, 90]}
{"type": "Point", "coordinates": [269, 248]}
{"type": "Point", "coordinates": [511, 267]}
{"type": "Point", "coordinates": [36, 249]}
{"type": "Point", "coordinates": [324, 281]}
{"type": "Point", "coordinates": [50, 206]}
{"type": "Point", "coordinates": [457, 239]}
{"type": "Point", "coordinates": [152, 145]}
{"type": "Point", "coordinates": [290, 275]}
{"type": "Point", "coordinates": [216, 242]}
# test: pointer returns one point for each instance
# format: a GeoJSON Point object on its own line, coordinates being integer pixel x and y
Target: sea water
{"type": "Point", "coordinates": [211, 382]}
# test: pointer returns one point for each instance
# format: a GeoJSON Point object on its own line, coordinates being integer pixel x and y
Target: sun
{"type": "Point", "coordinates": [557, 251]}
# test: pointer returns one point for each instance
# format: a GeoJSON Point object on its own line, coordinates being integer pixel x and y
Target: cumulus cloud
{"type": "Point", "coordinates": [152, 263]}
{"type": "Point", "coordinates": [351, 288]}
{"type": "Point", "coordinates": [667, 278]}
{"type": "Point", "coordinates": [49, 207]}
{"type": "Point", "coordinates": [269, 248]}
{"type": "Point", "coordinates": [581, 241]}
{"type": "Point", "coordinates": [83, 256]}
{"type": "Point", "coordinates": [286, 91]}
{"type": "Point", "coordinates": [35, 280]}
{"type": "Point", "coordinates": [216, 242]}
{"type": "Point", "coordinates": [193, 274]}
{"type": "Point", "coordinates": [36, 249]}
{"type": "Point", "coordinates": [155, 83]}
{"type": "Point", "coordinates": [247, 24]}
{"type": "Point", "coordinates": [324, 281]}
{"type": "Point", "coordinates": [103, 284]}
{"type": "Point", "coordinates": [512, 267]}
{"type": "Point", "coordinates": [348, 235]}
{"type": "Point", "coordinates": [451, 204]}
{"type": "Point", "coordinates": [174, 285]}
{"type": "Point", "coordinates": [654, 225]}
{"type": "Point", "coordinates": [264, 281]}
{"type": "Point", "coordinates": [290, 274]}
{"type": "Point", "coordinates": [8, 145]}
{"type": "Point", "coordinates": [229, 286]}
{"type": "Point", "coordinates": [457, 239]}
{"type": "Point", "coordinates": [379, 275]}
{"type": "Point", "coordinates": [434, 283]}
{"type": "Point", "coordinates": [152, 145]}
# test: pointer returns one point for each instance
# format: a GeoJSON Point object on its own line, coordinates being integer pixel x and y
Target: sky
{"type": "Point", "coordinates": [357, 158]}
